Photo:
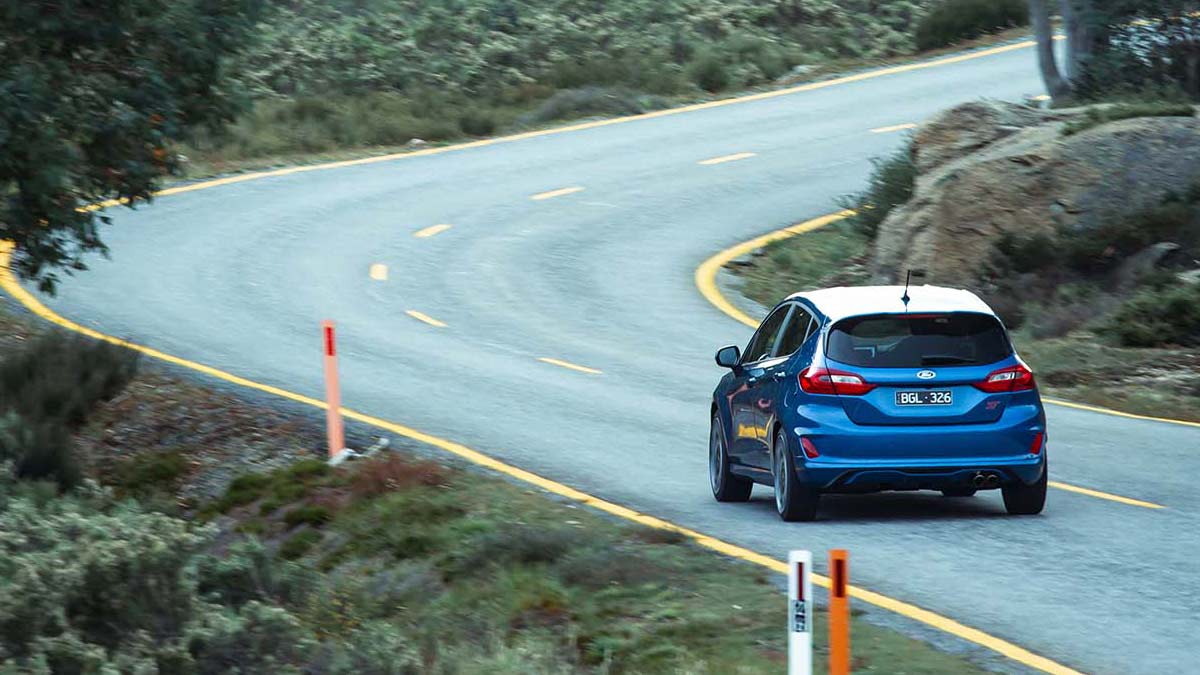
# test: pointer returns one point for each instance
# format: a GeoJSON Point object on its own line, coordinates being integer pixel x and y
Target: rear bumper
{"type": "Point", "coordinates": [859, 458]}
{"type": "Point", "coordinates": [874, 477]}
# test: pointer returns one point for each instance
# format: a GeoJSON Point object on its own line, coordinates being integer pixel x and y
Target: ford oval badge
{"type": "Point", "coordinates": [926, 374]}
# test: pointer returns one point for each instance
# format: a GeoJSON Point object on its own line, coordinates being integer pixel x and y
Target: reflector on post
{"type": "Point", "coordinates": [800, 614]}
{"type": "Point", "coordinates": [839, 612]}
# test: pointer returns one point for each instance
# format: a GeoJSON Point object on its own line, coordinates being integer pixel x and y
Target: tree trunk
{"type": "Point", "coordinates": [1192, 76]}
{"type": "Point", "coordinates": [1081, 37]}
{"type": "Point", "coordinates": [1056, 85]}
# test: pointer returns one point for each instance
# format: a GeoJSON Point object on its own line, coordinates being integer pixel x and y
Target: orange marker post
{"type": "Point", "coordinates": [839, 612]}
{"type": "Point", "coordinates": [333, 397]}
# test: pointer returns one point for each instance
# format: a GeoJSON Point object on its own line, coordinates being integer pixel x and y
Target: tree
{"type": "Point", "coordinates": [1135, 43]}
{"type": "Point", "coordinates": [1056, 84]}
{"type": "Point", "coordinates": [92, 95]}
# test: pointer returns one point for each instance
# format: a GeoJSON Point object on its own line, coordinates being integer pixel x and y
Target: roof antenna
{"type": "Point", "coordinates": [904, 298]}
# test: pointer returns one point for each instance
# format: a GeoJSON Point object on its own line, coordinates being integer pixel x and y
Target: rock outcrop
{"type": "Point", "coordinates": [988, 168]}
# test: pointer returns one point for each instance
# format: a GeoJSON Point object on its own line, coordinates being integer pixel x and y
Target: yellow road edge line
{"type": "Point", "coordinates": [425, 318]}
{"type": "Point", "coordinates": [1118, 413]}
{"type": "Point", "coordinates": [894, 127]}
{"type": "Point", "coordinates": [555, 193]}
{"type": "Point", "coordinates": [8, 283]}
{"type": "Point", "coordinates": [727, 158]}
{"type": "Point", "coordinates": [567, 364]}
{"type": "Point", "coordinates": [431, 230]}
{"type": "Point", "coordinates": [1104, 495]}
{"type": "Point", "coordinates": [706, 282]}
{"type": "Point", "coordinates": [378, 272]}
{"type": "Point", "coordinates": [583, 126]}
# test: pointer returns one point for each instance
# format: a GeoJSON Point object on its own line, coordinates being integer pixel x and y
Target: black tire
{"type": "Point", "coordinates": [959, 492]}
{"type": "Point", "coordinates": [726, 486]}
{"type": "Point", "coordinates": [794, 502]}
{"type": "Point", "coordinates": [1026, 500]}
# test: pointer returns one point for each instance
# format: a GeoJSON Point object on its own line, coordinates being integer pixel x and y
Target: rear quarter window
{"type": "Point", "coordinates": [918, 340]}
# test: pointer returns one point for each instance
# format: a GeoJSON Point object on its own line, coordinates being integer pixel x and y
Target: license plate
{"type": "Point", "coordinates": [928, 397]}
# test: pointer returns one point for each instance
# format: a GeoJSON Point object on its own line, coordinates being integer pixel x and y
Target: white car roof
{"type": "Point", "coordinates": [845, 301]}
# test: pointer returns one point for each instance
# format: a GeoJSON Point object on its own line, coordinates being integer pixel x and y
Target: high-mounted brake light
{"type": "Point", "coordinates": [828, 381]}
{"type": "Point", "coordinates": [1016, 378]}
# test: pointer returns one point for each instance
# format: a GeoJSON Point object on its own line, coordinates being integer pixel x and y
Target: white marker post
{"type": "Point", "coordinates": [800, 614]}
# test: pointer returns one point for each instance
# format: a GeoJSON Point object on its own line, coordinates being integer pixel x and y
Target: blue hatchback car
{"type": "Point", "coordinates": [853, 390]}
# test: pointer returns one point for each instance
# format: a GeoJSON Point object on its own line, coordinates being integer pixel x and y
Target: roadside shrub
{"type": "Point", "coordinates": [39, 450]}
{"type": "Point", "coordinates": [393, 471]}
{"type": "Point", "coordinates": [307, 514]}
{"type": "Point", "coordinates": [148, 473]}
{"type": "Point", "coordinates": [590, 101]}
{"type": "Point", "coordinates": [709, 73]}
{"type": "Point", "coordinates": [245, 489]}
{"type": "Point", "coordinates": [308, 469]}
{"type": "Point", "coordinates": [1095, 251]}
{"type": "Point", "coordinates": [517, 546]}
{"type": "Point", "coordinates": [56, 377]}
{"type": "Point", "coordinates": [1073, 277]}
{"type": "Point", "coordinates": [954, 21]}
{"type": "Point", "coordinates": [91, 578]}
{"type": "Point", "coordinates": [256, 638]}
{"type": "Point", "coordinates": [597, 568]}
{"type": "Point", "coordinates": [314, 124]}
{"type": "Point", "coordinates": [477, 123]}
{"type": "Point", "coordinates": [893, 180]}
{"type": "Point", "coordinates": [1159, 317]}
{"type": "Point", "coordinates": [299, 544]}
{"type": "Point", "coordinates": [1097, 116]}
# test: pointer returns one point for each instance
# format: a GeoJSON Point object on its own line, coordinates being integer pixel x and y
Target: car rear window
{"type": "Point", "coordinates": [917, 340]}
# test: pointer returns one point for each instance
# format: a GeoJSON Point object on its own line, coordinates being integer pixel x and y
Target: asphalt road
{"type": "Point", "coordinates": [239, 276]}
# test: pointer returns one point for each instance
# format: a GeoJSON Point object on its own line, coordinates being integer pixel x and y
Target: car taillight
{"type": "Point", "coordinates": [1039, 439]}
{"type": "Point", "coordinates": [1016, 378]}
{"type": "Point", "coordinates": [810, 448]}
{"type": "Point", "coordinates": [828, 381]}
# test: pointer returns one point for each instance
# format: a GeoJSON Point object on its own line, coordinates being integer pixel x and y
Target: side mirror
{"type": "Point", "coordinates": [729, 357]}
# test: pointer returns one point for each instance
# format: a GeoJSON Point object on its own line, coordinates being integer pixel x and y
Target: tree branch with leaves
{"type": "Point", "coordinates": [92, 97]}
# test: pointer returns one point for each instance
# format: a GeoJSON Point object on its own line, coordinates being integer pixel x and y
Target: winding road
{"type": "Point", "coordinates": [533, 299]}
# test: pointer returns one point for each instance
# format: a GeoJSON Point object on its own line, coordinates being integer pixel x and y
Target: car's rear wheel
{"type": "Point", "coordinates": [959, 492]}
{"type": "Point", "coordinates": [726, 486]}
{"type": "Point", "coordinates": [793, 500]}
{"type": "Point", "coordinates": [1026, 500]}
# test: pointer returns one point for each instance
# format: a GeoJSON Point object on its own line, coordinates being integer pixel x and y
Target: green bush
{"type": "Point", "coordinates": [1070, 275]}
{"type": "Point", "coordinates": [1097, 116]}
{"type": "Point", "coordinates": [39, 450]}
{"type": "Point", "coordinates": [590, 101]}
{"type": "Point", "coordinates": [299, 544]}
{"type": "Point", "coordinates": [477, 123]}
{"type": "Point", "coordinates": [954, 21]}
{"type": "Point", "coordinates": [709, 73]}
{"type": "Point", "coordinates": [87, 585]}
{"type": "Point", "coordinates": [148, 473]}
{"type": "Point", "coordinates": [893, 180]}
{"type": "Point", "coordinates": [516, 546]}
{"type": "Point", "coordinates": [1159, 317]}
{"type": "Point", "coordinates": [48, 387]}
{"type": "Point", "coordinates": [245, 489]}
{"type": "Point", "coordinates": [56, 377]}
{"type": "Point", "coordinates": [308, 514]}
{"type": "Point", "coordinates": [1096, 251]}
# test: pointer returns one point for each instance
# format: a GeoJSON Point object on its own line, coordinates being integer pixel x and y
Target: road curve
{"type": "Point", "coordinates": [562, 333]}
